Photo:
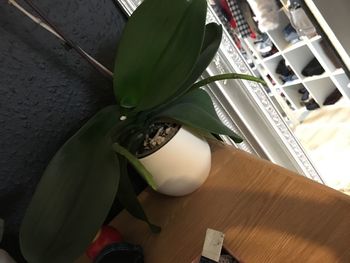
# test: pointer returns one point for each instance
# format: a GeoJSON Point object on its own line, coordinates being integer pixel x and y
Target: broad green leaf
{"type": "Point", "coordinates": [74, 195]}
{"type": "Point", "coordinates": [159, 47]}
{"type": "Point", "coordinates": [127, 197]}
{"type": "Point", "coordinates": [134, 161]}
{"type": "Point", "coordinates": [211, 43]}
{"type": "Point", "coordinates": [196, 109]}
{"type": "Point", "coordinates": [2, 223]}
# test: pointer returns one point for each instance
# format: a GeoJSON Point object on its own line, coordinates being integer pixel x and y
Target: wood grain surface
{"type": "Point", "coordinates": [268, 214]}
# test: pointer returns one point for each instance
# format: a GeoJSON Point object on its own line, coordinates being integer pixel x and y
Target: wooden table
{"type": "Point", "coordinates": [267, 213]}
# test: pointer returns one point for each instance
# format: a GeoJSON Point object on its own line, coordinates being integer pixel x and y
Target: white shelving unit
{"type": "Point", "coordinates": [297, 56]}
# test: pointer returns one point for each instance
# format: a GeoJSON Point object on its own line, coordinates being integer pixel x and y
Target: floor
{"type": "Point", "coordinates": [325, 134]}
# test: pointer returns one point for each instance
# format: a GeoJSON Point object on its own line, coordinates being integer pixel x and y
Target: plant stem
{"type": "Point", "coordinates": [226, 76]}
{"type": "Point", "coordinates": [50, 27]}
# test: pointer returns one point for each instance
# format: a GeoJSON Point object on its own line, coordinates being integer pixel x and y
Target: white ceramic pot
{"type": "Point", "coordinates": [181, 165]}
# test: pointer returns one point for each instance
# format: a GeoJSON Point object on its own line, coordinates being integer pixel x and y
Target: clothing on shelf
{"type": "Point", "coordinates": [248, 16]}
{"type": "Point", "coordinates": [225, 21]}
{"type": "Point", "coordinates": [290, 35]}
{"type": "Point", "coordinates": [312, 68]}
{"type": "Point", "coordinates": [333, 97]}
{"type": "Point", "coordinates": [231, 10]}
{"type": "Point", "coordinates": [266, 12]}
{"type": "Point", "coordinates": [241, 23]}
{"type": "Point", "coordinates": [285, 72]}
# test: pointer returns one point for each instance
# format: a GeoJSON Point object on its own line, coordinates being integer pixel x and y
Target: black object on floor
{"type": "Point", "coordinates": [311, 105]}
{"type": "Point", "coordinates": [333, 97]}
{"type": "Point", "coordinates": [312, 68]}
{"type": "Point", "coordinates": [121, 253]}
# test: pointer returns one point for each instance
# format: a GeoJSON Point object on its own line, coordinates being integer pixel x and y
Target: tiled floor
{"type": "Point", "coordinates": [325, 134]}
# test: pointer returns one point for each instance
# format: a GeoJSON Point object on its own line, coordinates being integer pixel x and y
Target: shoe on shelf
{"type": "Point", "coordinates": [270, 53]}
{"type": "Point", "coordinates": [312, 68]}
{"type": "Point", "coordinates": [311, 105]}
{"type": "Point", "coordinates": [333, 97]}
{"type": "Point", "coordinates": [302, 90]}
{"type": "Point", "coordinates": [263, 44]}
{"type": "Point", "coordinates": [305, 96]}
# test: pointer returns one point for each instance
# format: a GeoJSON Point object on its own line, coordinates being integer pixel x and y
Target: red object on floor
{"type": "Point", "coordinates": [107, 236]}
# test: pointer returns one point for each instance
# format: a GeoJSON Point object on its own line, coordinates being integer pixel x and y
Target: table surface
{"type": "Point", "coordinates": [268, 214]}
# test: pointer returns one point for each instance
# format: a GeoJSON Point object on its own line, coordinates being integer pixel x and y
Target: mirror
{"type": "Point", "coordinates": [307, 81]}
{"type": "Point", "coordinates": [299, 119]}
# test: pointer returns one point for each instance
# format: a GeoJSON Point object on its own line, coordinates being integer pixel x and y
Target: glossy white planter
{"type": "Point", "coordinates": [181, 165]}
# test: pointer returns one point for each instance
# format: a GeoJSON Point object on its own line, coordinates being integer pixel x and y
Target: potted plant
{"type": "Point", "coordinates": [164, 50]}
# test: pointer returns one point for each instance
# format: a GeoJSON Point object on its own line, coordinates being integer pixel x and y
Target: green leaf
{"type": "Point", "coordinates": [127, 197]}
{"type": "Point", "coordinates": [134, 161]}
{"type": "Point", "coordinates": [211, 43]}
{"type": "Point", "coordinates": [159, 47]}
{"type": "Point", "coordinates": [226, 76]}
{"type": "Point", "coordinates": [196, 109]}
{"type": "Point", "coordinates": [74, 195]}
{"type": "Point", "coordinates": [2, 225]}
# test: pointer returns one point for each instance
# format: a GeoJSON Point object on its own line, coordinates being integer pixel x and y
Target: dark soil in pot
{"type": "Point", "coordinates": [158, 135]}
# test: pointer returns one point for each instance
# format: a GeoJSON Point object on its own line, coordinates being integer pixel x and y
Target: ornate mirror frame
{"type": "Point", "coordinates": [246, 108]}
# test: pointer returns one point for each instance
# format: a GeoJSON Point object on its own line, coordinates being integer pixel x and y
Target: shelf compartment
{"type": "Point", "coordinates": [343, 84]}
{"type": "Point", "coordinates": [320, 89]}
{"type": "Point", "coordinates": [293, 95]}
{"type": "Point", "coordinates": [271, 66]}
{"type": "Point", "coordinates": [298, 59]}
{"type": "Point", "coordinates": [322, 56]}
{"type": "Point", "coordinates": [276, 35]}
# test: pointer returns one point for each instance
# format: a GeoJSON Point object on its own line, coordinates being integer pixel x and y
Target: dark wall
{"type": "Point", "coordinates": [47, 92]}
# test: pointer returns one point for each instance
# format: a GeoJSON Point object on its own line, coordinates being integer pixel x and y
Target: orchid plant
{"type": "Point", "coordinates": [165, 47]}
